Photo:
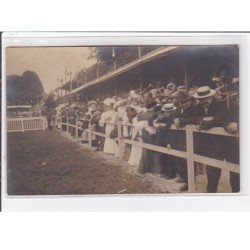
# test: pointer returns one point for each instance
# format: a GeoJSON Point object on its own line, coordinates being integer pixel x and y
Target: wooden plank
{"type": "Point", "coordinates": [120, 140]}
{"type": "Point", "coordinates": [98, 133]}
{"type": "Point", "coordinates": [90, 134]}
{"type": "Point", "coordinates": [25, 118]}
{"type": "Point", "coordinates": [22, 126]}
{"type": "Point", "coordinates": [76, 127]}
{"type": "Point", "coordinates": [159, 149]}
{"type": "Point", "coordinates": [190, 159]}
{"type": "Point", "coordinates": [67, 125]}
{"type": "Point", "coordinates": [228, 166]}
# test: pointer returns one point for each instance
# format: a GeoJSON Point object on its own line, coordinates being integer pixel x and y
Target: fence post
{"type": "Point", "coordinates": [60, 123]}
{"type": "Point", "coordinates": [67, 126]}
{"type": "Point", "coordinates": [22, 125]}
{"type": "Point", "coordinates": [120, 148]}
{"type": "Point", "coordinates": [90, 135]}
{"type": "Point", "coordinates": [43, 120]}
{"type": "Point", "coordinates": [76, 128]}
{"type": "Point", "coordinates": [190, 158]}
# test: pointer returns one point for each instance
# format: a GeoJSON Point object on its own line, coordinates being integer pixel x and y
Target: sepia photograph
{"type": "Point", "coordinates": [122, 119]}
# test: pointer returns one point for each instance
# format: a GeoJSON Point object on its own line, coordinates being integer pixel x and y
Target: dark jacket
{"type": "Point", "coordinates": [187, 116]}
{"type": "Point", "coordinates": [208, 144]}
{"type": "Point", "coordinates": [218, 111]}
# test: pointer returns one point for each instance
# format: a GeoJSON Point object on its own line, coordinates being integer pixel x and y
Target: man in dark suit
{"type": "Point", "coordinates": [231, 148]}
{"type": "Point", "coordinates": [164, 163]}
{"type": "Point", "coordinates": [146, 164]}
{"type": "Point", "coordinates": [185, 115]}
{"type": "Point", "coordinates": [210, 113]}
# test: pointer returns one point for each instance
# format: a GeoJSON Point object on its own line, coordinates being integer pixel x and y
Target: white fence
{"type": "Point", "coordinates": [25, 124]}
{"type": "Point", "coordinates": [189, 154]}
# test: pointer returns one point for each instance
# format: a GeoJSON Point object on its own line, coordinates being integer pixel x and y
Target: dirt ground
{"type": "Point", "coordinates": [47, 163]}
{"type": "Point", "coordinates": [52, 163]}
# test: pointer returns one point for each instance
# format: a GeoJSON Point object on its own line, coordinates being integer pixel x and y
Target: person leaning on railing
{"type": "Point", "coordinates": [210, 113]}
{"type": "Point", "coordinates": [145, 122]}
{"type": "Point", "coordinates": [185, 115]}
{"type": "Point", "coordinates": [231, 147]}
{"type": "Point", "coordinates": [164, 163]}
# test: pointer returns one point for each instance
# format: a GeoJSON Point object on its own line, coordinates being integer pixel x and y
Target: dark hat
{"type": "Point", "coordinates": [150, 101]}
{"type": "Point", "coordinates": [183, 97]}
{"type": "Point", "coordinates": [181, 87]}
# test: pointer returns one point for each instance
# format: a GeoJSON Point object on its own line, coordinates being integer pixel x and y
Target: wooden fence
{"type": "Point", "coordinates": [189, 154]}
{"type": "Point", "coordinates": [25, 124]}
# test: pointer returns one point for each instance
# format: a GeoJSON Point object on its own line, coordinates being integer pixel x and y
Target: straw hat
{"type": "Point", "coordinates": [169, 107]}
{"type": "Point", "coordinates": [108, 102]}
{"type": "Point", "coordinates": [204, 92]}
{"type": "Point", "coordinates": [120, 103]}
{"type": "Point", "coordinates": [90, 103]}
{"type": "Point", "coordinates": [135, 97]}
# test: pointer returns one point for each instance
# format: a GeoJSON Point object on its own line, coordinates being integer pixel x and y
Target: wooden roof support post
{"type": "Point", "coordinates": [115, 87]}
{"type": "Point", "coordinates": [97, 70]}
{"type": "Point", "coordinates": [185, 73]}
{"type": "Point", "coordinates": [140, 79]}
{"type": "Point", "coordinates": [86, 96]}
{"type": "Point", "coordinates": [190, 158]}
{"type": "Point", "coordinates": [85, 75]}
{"type": "Point", "coordinates": [139, 52]}
{"type": "Point", "coordinates": [99, 93]}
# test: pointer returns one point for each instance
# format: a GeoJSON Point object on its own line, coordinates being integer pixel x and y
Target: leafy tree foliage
{"type": "Point", "coordinates": [26, 89]}
{"type": "Point", "coordinates": [49, 102]}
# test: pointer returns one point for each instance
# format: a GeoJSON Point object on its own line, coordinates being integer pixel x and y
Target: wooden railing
{"type": "Point", "coordinates": [189, 154]}
{"type": "Point", "coordinates": [25, 124]}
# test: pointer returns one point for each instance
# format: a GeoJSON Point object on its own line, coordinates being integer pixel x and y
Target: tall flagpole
{"type": "Point", "coordinates": [113, 55]}
{"type": "Point", "coordinates": [85, 75]}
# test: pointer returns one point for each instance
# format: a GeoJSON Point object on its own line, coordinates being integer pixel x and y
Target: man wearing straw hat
{"type": "Point", "coordinates": [185, 115]}
{"type": "Point", "coordinates": [164, 163]}
{"type": "Point", "coordinates": [211, 112]}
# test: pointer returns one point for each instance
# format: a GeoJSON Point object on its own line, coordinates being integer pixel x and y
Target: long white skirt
{"type": "Point", "coordinates": [110, 145]}
{"type": "Point", "coordinates": [135, 156]}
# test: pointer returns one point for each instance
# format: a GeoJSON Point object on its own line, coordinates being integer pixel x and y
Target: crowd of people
{"type": "Point", "coordinates": [149, 115]}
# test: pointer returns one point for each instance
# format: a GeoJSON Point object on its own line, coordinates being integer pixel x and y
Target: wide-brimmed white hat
{"type": "Point", "coordinates": [204, 92]}
{"type": "Point", "coordinates": [181, 87]}
{"type": "Point", "coordinates": [90, 103]}
{"type": "Point", "coordinates": [169, 107]}
{"type": "Point", "coordinates": [135, 97]}
{"type": "Point", "coordinates": [108, 102]}
{"type": "Point", "coordinates": [120, 103]}
{"type": "Point", "coordinates": [170, 85]}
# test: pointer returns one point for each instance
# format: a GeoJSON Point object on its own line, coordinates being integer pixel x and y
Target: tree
{"type": "Point", "coordinates": [49, 104]}
{"type": "Point", "coordinates": [26, 89]}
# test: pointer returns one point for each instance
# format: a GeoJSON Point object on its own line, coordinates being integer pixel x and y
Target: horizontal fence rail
{"type": "Point", "coordinates": [25, 124]}
{"type": "Point", "coordinates": [189, 154]}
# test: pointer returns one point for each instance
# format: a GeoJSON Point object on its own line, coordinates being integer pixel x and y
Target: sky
{"type": "Point", "coordinates": [48, 62]}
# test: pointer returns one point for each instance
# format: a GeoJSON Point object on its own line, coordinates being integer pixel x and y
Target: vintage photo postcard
{"type": "Point", "coordinates": [123, 119]}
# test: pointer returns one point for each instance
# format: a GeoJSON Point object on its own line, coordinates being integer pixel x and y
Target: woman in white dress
{"type": "Point", "coordinates": [109, 118]}
{"type": "Point", "coordinates": [136, 152]}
